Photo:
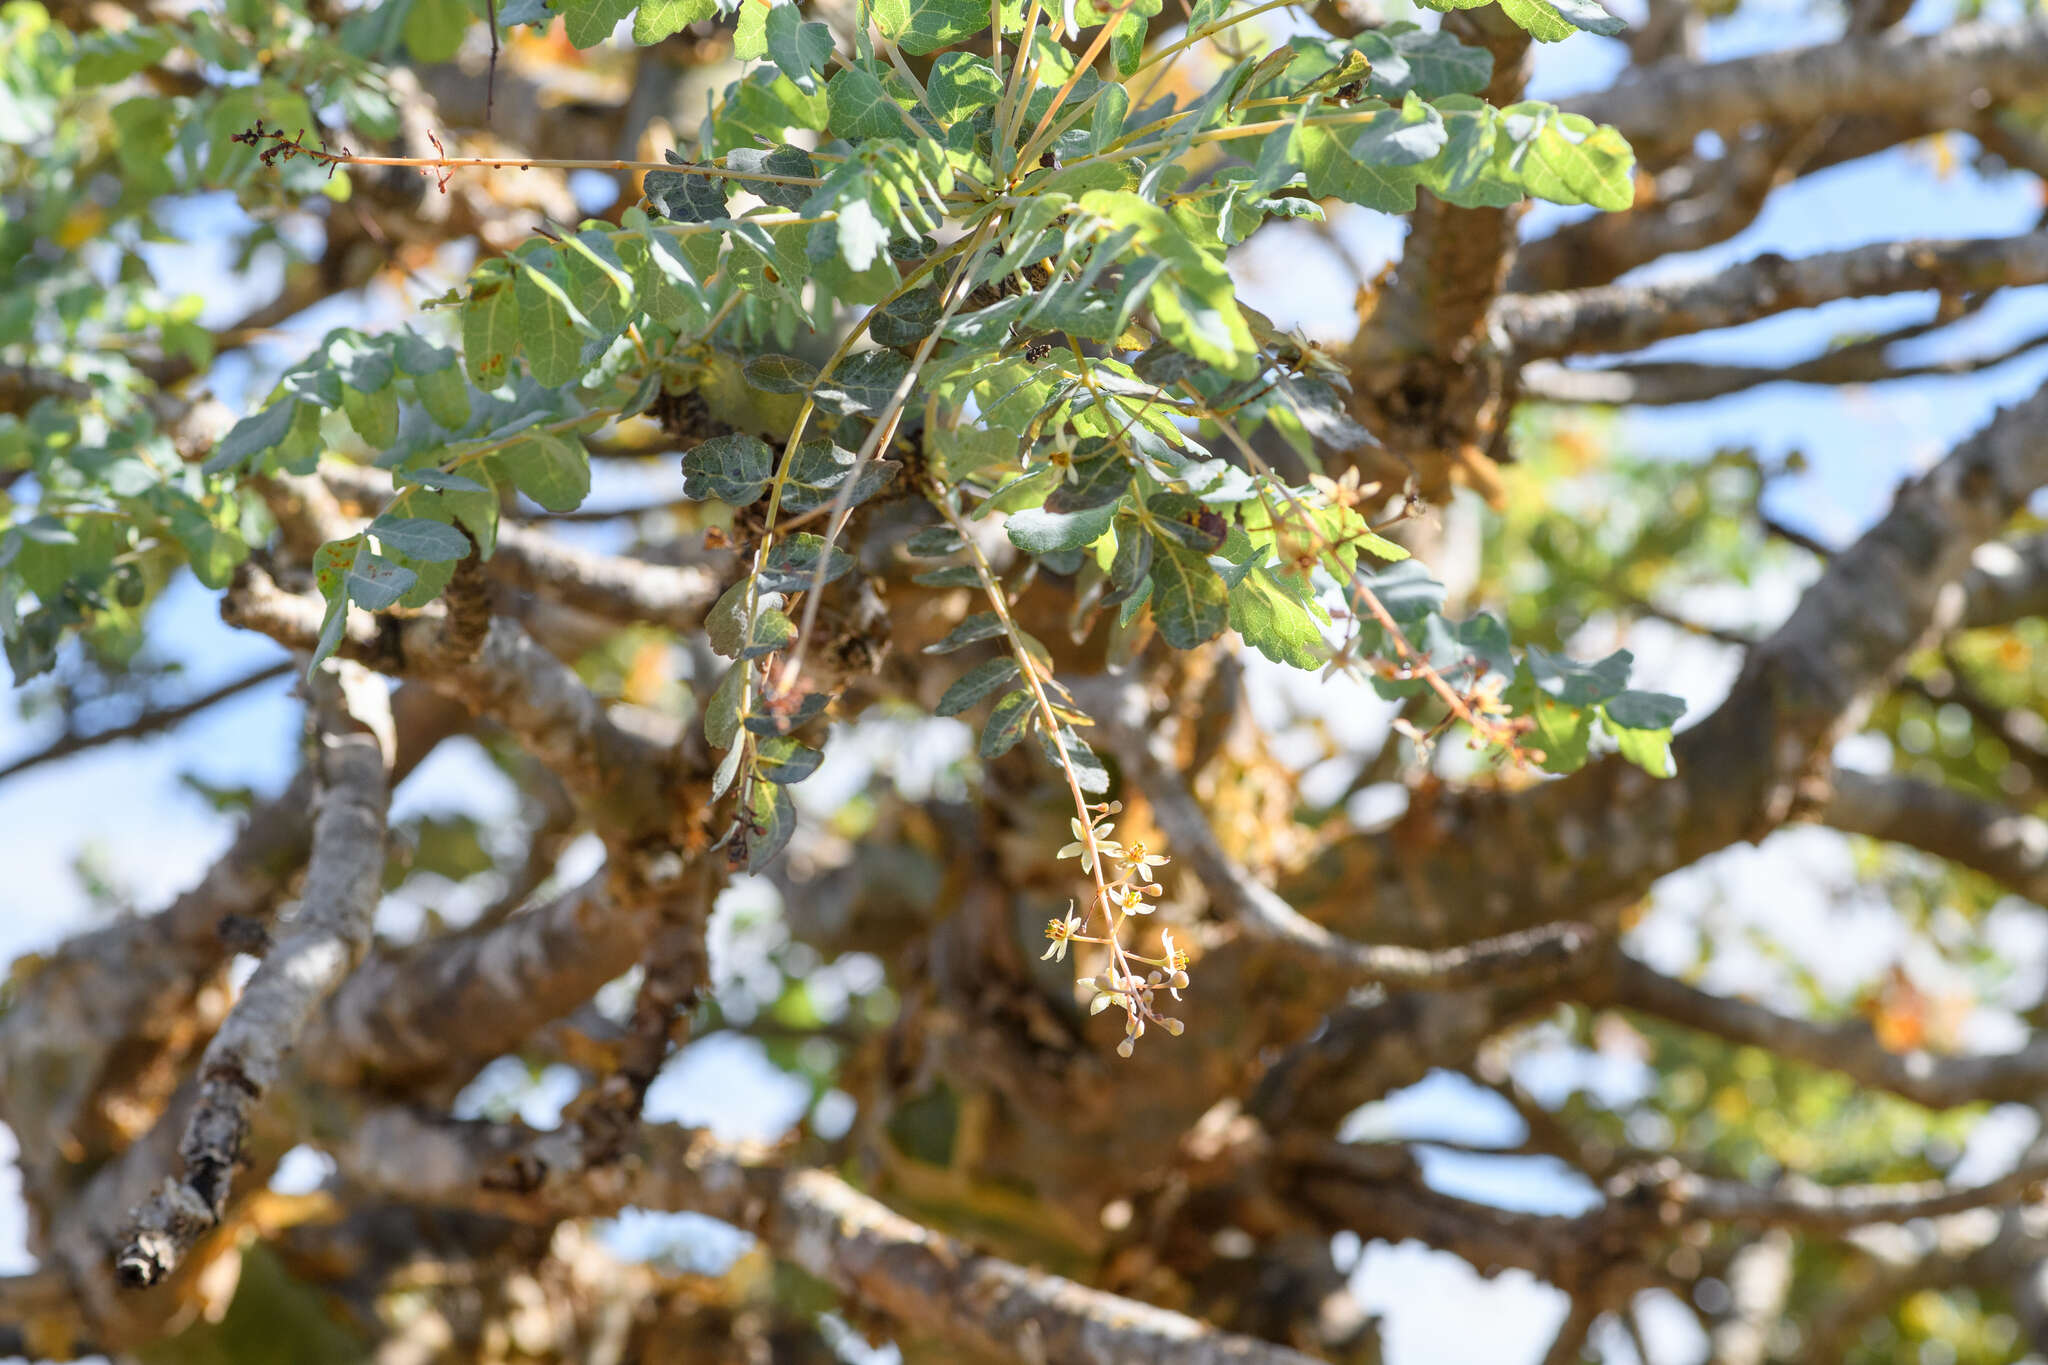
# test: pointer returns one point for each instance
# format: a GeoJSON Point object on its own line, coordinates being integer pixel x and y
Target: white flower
{"type": "Point", "coordinates": [1061, 932]}
{"type": "Point", "coordinates": [1104, 845]}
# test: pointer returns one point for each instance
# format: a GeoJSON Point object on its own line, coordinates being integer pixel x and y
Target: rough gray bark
{"type": "Point", "coordinates": [344, 879]}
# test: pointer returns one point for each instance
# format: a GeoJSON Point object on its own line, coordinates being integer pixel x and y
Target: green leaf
{"type": "Point", "coordinates": [780, 373]}
{"type": "Point", "coordinates": [799, 50]}
{"type": "Point", "coordinates": [863, 384]}
{"type": "Point", "coordinates": [554, 472]}
{"type": "Point", "coordinates": [445, 397]}
{"type": "Point", "coordinates": [952, 576]}
{"type": "Point", "coordinates": [420, 538]}
{"type": "Point", "coordinates": [1406, 136]}
{"type": "Point", "coordinates": [793, 562]}
{"type": "Point", "coordinates": [976, 683]}
{"type": "Point", "coordinates": [1275, 621]}
{"type": "Point", "coordinates": [252, 436]}
{"type": "Point", "coordinates": [1006, 724]}
{"type": "Point", "coordinates": [212, 552]}
{"type": "Point", "coordinates": [1560, 729]}
{"type": "Point", "coordinates": [781, 160]}
{"type": "Point", "coordinates": [725, 625]}
{"type": "Point", "coordinates": [907, 319]}
{"type": "Point", "coordinates": [781, 715]}
{"type": "Point", "coordinates": [434, 29]}
{"type": "Point", "coordinates": [819, 473]}
{"type": "Point", "coordinates": [1567, 158]}
{"type": "Point", "coordinates": [961, 84]}
{"type": "Point", "coordinates": [657, 19]}
{"type": "Point", "coordinates": [548, 330]}
{"type": "Point", "coordinates": [772, 631]}
{"type": "Point", "coordinates": [981, 626]}
{"type": "Point", "coordinates": [374, 582]}
{"type": "Point", "coordinates": [1334, 171]}
{"type": "Point", "coordinates": [750, 31]}
{"type": "Point", "coordinates": [784, 760]}
{"type": "Point", "coordinates": [590, 22]}
{"type": "Point", "coordinates": [490, 332]}
{"type": "Point", "coordinates": [1039, 532]}
{"type": "Point", "coordinates": [1649, 750]}
{"type": "Point", "coordinates": [1432, 63]}
{"type": "Point", "coordinates": [860, 108]}
{"type": "Point", "coordinates": [922, 26]}
{"type": "Point", "coordinates": [373, 415]}
{"type": "Point", "coordinates": [1194, 299]}
{"type": "Point", "coordinates": [721, 709]}
{"type": "Point", "coordinates": [734, 468]}
{"type": "Point", "coordinates": [1190, 605]}
{"type": "Point", "coordinates": [769, 820]}
{"type": "Point", "coordinates": [105, 57]}
{"type": "Point", "coordinates": [1089, 774]}
{"type": "Point", "coordinates": [685, 198]}
{"type": "Point", "coordinates": [1643, 710]}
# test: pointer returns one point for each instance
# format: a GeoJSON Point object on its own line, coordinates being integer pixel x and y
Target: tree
{"type": "Point", "coordinates": [931, 327]}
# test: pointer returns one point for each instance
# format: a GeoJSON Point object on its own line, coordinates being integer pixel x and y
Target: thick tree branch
{"type": "Point", "coordinates": [2008, 846]}
{"type": "Point", "coordinates": [1939, 1082]}
{"type": "Point", "coordinates": [927, 1281]}
{"type": "Point", "coordinates": [1490, 863]}
{"type": "Point", "coordinates": [1629, 317]}
{"type": "Point", "coordinates": [1665, 106]}
{"type": "Point", "coordinates": [624, 778]}
{"type": "Point", "coordinates": [247, 1055]}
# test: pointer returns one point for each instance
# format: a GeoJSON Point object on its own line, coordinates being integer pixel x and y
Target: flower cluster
{"type": "Point", "coordinates": [1124, 879]}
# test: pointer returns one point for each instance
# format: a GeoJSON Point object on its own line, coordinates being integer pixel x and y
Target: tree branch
{"type": "Point", "coordinates": [1666, 383]}
{"type": "Point", "coordinates": [246, 1057]}
{"type": "Point", "coordinates": [2007, 582]}
{"type": "Point", "coordinates": [1629, 317]}
{"type": "Point", "coordinates": [148, 723]}
{"type": "Point", "coordinates": [1490, 863]}
{"type": "Point", "coordinates": [1939, 1082]}
{"type": "Point", "coordinates": [925, 1280]}
{"type": "Point", "coordinates": [2008, 846]}
{"type": "Point", "coordinates": [626, 780]}
{"type": "Point", "coordinates": [1538, 954]}
{"type": "Point", "coordinates": [1663, 107]}
{"type": "Point", "coordinates": [626, 591]}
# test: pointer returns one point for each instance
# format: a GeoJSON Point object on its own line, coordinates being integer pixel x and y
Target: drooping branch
{"type": "Point", "coordinates": [1629, 317]}
{"type": "Point", "coordinates": [1663, 107]}
{"type": "Point", "coordinates": [322, 945]}
{"type": "Point", "coordinates": [2008, 846]}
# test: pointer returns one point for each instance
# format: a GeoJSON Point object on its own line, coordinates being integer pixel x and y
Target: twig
{"type": "Point", "coordinates": [149, 722]}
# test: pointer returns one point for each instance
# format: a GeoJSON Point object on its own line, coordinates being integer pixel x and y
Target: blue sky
{"type": "Point", "coordinates": [126, 805]}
